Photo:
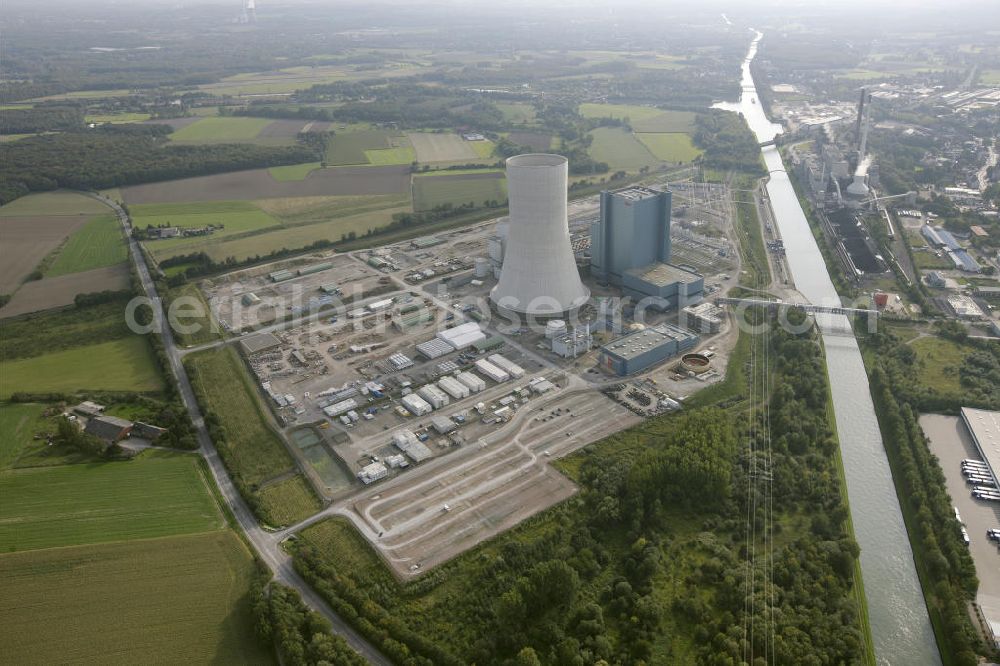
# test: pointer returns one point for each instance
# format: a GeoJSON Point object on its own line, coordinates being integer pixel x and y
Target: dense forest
{"type": "Point", "coordinates": [728, 142]}
{"type": "Point", "coordinates": [40, 119]}
{"type": "Point", "coordinates": [648, 564]}
{"type": "Point", "coordinates": [110, 156]}
{"type": "Point", "coordinates": [301, 636]}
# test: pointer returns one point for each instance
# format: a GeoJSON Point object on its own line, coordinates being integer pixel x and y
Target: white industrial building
{"type": "Point", "coordinates": [434, 396]}
{"type": "Point", "coordinates": [372, 473]}
{"type": "Point", "coordinates": [453, 387]}
{"type": "Point", "coordinates": [415, 404]}
{"type": "Point", "coordinates": [539, 274]}
{"type": "Point", "coordinates": [442, 424]}
{"type": "Point", "coordinates": [463, 335]}
{"type": "Point", "coordinates": [705, 317]}
{"type": "Point", "coordinates": [338, 408]}
{"type": "Point", "coordinates": [377, 306]}
{"type": "Point", "coordinates": [400, 361]}
{"type": "Point", "coordinates": [505, 364]}
{"type": "Point", "coordinates": [540, 385]}
{"type": "Point", "coordinates": [573, 344]}
{"type": "Point", "coordinates": [408, 443]}
{"type": "Point", "coordinates": [434, 348]}
{"type": "Point", "coordinates": [474, 382]}
{"type": "Point", "coordinates": [492, 371]}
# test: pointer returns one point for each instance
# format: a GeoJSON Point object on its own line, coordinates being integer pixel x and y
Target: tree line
{"type": "Point", "coordinates": [111, 156]}
{"type": "Point", "coordinates": [40, 119]}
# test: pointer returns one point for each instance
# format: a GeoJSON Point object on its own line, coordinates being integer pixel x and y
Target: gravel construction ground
{"type": "Point", "coordinates": [258, 184]}
{"type": "Point", "coordinates": [56, 292]}
{"type": "Point", "coordinates": [433, 147]}
{"type": "Point", "coordinates": [27, 240]}
{"type": "Point", "coordinates": [488, 487]}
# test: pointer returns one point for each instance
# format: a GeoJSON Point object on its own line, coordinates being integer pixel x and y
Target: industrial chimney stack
{"type": "Point", "coordinates": [539, 274]}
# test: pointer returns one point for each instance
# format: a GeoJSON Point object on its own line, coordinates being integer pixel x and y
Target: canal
{"type": "Point", "coordinates": [901, 630]}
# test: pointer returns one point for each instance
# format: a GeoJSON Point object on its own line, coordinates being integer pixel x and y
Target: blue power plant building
{"type": "Point", "coordinates": [630, 248]}
{"type": "Point", "coordinates": [643, 349]}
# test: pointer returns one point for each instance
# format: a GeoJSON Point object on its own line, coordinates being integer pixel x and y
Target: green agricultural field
{"type": "Point", "coordinates": [172, 600]}
{"type": "Point", "coordinates": [620, 149]}
{"type": "Point", "coordinates": [53, 203]}
{"type": "Point", "coordinates": [431, 191]}
{"type": "Point", "coordinates": [445, 173]}
{"type": "Point", "coordinates": [18, 423]}
{"type": "Point", "coordinates": [633, 112]}
{"type": "Point", "coordinates": [331, 228]}
{"type": "Point", "coordinates": [349, 148]}
{"type": "Point", "coordinates": [939, 361]}
{"type": "Point", "coordinates": [927, 260]}
{"type": "Point", "coordinates": [97, 244]}
{"type": "Point", "coordinates": [295, 211]}
{"type": "Point", "coordinates": [390, 156]}
{"type": "Point", "coordinates": [990, 77]}
{"type": "Point", "coordinates": [484, 149]}
{"type": "Point", "coordinates": [643, 118]}
{"type": "Point", "coordinates": [158, 494]}
{"type": "Point", "coordinates": [252, 448]}
{"type": "Point", "coordinates": [517, 113]}
{"type": "Point", "coordinates": [671, 147]}
{"type": "Point", "coordinates": [117, 118]}
{"type": "Point", "coordinates": [284, 174]}
{"type": "Point", "coordinates": [85, 94]}
{"type": "Point", "coordinates": [289, 501]}
{"type": "Point", "coordinates": [126, 364]}
{"type": "Point", "coordinates": [236, 217]}
{"type": "Point", "coordinates": [208, 329]}
{"type": "Point", "coordinates": [229, 129]}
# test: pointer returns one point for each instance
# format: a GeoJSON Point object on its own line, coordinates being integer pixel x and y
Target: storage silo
{"type": "Point", "coordinates": [539, 275]}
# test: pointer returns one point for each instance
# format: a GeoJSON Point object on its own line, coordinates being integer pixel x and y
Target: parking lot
{"type": "Point", "coordinates": [951, 443]}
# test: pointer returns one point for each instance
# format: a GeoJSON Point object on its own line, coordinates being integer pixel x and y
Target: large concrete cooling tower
{"type": "Point", "coordinates": [539, 275]}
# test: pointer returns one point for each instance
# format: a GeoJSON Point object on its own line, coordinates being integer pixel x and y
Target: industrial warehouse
{"type": "Point", "coordinates": [430, 358]}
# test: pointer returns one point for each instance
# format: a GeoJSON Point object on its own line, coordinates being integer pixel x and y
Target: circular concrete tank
{"type": "Point", "coordinates": [696, 363]}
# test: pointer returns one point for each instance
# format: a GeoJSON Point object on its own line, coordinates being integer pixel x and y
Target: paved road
{"type": "Point", "coordinates": [267, 545]}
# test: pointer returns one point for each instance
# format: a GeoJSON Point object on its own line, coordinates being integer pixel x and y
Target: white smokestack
{"type": "Point", "coordinates": [539, 275]}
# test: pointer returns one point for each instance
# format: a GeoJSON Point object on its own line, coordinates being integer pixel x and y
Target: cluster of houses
{"type": "Point", "coordinates": [113, 429]}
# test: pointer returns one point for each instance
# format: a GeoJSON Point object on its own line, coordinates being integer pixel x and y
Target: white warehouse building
{"type": "Point", "coordinates": [473, 381]}
{"type": "Point", "coordinates": [462, 336]}
{"type": "Point", "coordinates": [415, 404]}
{"type": "Point", "coordinates": [433, 395]}
{"type": "Point", "coordinates": [505, 364]}
{"type": "Point", "coordinates": [492, 371]}
{"type": "Point", "coordinates": [453, 387]}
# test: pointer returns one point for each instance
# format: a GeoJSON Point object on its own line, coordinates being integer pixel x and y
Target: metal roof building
{"type": "Point", "coordinates": [668, 286]}
{"type": "Point", "coordinates": [463, 335]}
{"type": "Point", "coordinates": [643, 349]}
{"type": "Point", "coordinates": [984, 426]}
{"type": "Point", "coordinates": [434, 348]}
{"type": "Point", "coordinates": [108, 428]}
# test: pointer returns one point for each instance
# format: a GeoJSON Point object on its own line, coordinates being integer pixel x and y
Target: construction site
{"type": "Point", "coordinates": [398, 367]}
